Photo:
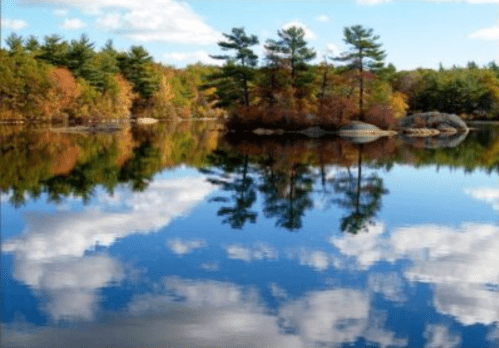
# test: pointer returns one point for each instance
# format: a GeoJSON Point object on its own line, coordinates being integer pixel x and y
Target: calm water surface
{"type": "Point", "coordinates": [176, 238]}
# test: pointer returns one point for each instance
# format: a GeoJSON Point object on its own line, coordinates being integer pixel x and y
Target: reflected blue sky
{"type": "Point", "coordinates": [159, 267]}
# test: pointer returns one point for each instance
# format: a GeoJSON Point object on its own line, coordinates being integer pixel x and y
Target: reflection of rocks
{"type": "Point", "coordinates": [435, 120]}
{"type": "Point", "coordinates": [433, 142]}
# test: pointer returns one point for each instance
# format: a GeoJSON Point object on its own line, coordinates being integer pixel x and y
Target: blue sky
{"type": "Point", "coordinates": [414, 34]}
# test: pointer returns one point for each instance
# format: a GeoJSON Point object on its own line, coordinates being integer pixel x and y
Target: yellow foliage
{"type": "Point", "coordinates": [398, 103]}
{"type": "Point", "coordinates": [125, 97]}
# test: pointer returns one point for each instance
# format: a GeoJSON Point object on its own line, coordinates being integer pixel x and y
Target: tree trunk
{"type": "Point", "coordinates": [361, 118]}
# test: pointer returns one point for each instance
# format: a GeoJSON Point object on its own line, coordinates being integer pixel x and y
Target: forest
{"type": "Point", "coordinates": [57, 80]}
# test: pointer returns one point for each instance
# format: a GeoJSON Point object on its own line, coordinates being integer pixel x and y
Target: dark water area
{"type": "Point", "coordinates": [177, 236]}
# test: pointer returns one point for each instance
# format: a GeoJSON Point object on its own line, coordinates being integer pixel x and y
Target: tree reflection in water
{"type": "Point", "coordinates": [285, 170]}
{"type": "Point", "coordinates": [362, 196]}
{"type": "Point", "coordinates": [287, 196]}
{"type": "Point", "coordinates": [234, 177]}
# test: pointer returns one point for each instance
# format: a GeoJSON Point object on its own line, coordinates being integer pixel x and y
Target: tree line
{"type": "Point", "coordinates": [57, 79]}
{"type": "Point", "coordinates": [288, 91]}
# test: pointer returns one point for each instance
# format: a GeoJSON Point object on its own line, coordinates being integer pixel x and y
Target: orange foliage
{"type": "Point", "coordinates": [126, 145]}
{"type": "Point", "coordinates": [380, 115]}
{"type": "Point", "coordinates": [125, 96]}
{"type": "Point", "coordinates": [336, 111]}
{"type": "Point", "coordinates": [63, 93]}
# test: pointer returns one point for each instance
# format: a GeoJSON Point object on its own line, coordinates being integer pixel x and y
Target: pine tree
{"type": "Point", "coordinates": [239, 68]}
{"type": "Point", "coordinates": [54, 50]}
{"type": "Point", "coordinates": [32, 45]}
{"type": "Point", "coordinates": [79, 56]}
{"type": "Point", "coordinates": [294, 48]}
{"type": "Point", "coordinates": [15, 43]}
{"type": "Point", "coordinates": [136, 66]}
{"type": "Point", "coordinates": [364, 54]}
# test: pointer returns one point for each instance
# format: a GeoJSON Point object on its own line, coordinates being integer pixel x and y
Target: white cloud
{"type": "Point", "coordinates": [469, 303]}
{"type": "Point", "coordinates": [486, 34]}
{"type": "Point", "coordinates": [461, 264]}
{"type": "Point", "coordinates": [337, 316]}
{"type": "Point", "coordinates": [183, 247]}
{"type": "Point", "coordinates": [488, 195]}
{"type": "Point", "coordinates": [69, 285]}
{"type": "Point", "coordinates": [438, 336]}
{"type": "Point", "coordinates": [309, 34]}
{"type": "Point", "coordinates": [390, 285]}
{"type": "Point", "coordinates": [259, 251]}
{"type": "Point", "coordinates": [277, 291]}
{"type": "Point", "coordinates": [73, 24]}
{"type": "Point", "coordinates": [192, 57]}
{"type": "Point", "coordinates": [50, 254]}
{"type": "Point", "coordinates": [332, 48]}
{"type": "Point", "coordinates": [222, 314]}
{"type": "Point", "coordinates": [110, 21]}
{"type": "Point", "coordinates": [377, 2]}
{"type": "Point", "coordinates": [13, 24]}
{"type": "Point", "coordinates": [158, 20]}
{"type": "Point", "coordinates": [322, 18]}
{"type": "Point", "coordinates": [367, 248]}
{"type": "Point", "coordinates": [210, 266]}
{"type": "Point", "coordinates": [60, 12]}
{"type": "Point", "coordinates": [318, 259]}
{"type": "Point", "coordinates": [49, 236]}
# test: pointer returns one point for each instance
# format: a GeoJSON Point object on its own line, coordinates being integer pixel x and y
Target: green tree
{"type": "Point", "coordinates": [80, 52]}
{"type": "Point", "coordinates": [294, 48]}
{"type": "Point", "coordinates": [273, 77]}
{"type": "Point", "coordinates": [15, 43]}
{"type": "Point", "coordinates": [137, 66]}
{"type": "Point", "coordinates": [54, 50]}
{"type": "Point", "coordinates": [239, 68]}
{"type": "Point", "coordinates": [365, 54]}
{"type": "Point", "coordinates": [32, 45]}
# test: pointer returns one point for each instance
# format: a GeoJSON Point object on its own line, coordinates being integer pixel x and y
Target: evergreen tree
{"type": "Point", "coordinates": [238, 68]}
{"type": "Point", "coordinates": [54, 50]}
{"type": "Point", "coordinates": [15, 43]}
{"type": "Point", "coordinates": [365, 54]}
{"type": "Point", "coordinates": [32, 45]}
{"type": "Point", "coordinates": [294, 48]}
{"type": "Point", "coordinates": [109, 49]}
{"type": "Point", "coordinates": [289, 55]}
{"type": "Point", "coordinates": [78, 58]}
{"type": "Point", "coordinates": [137, 66]}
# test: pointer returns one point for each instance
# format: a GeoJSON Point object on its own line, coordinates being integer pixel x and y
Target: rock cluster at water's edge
{"type": "Point", "coordinates": [445, 123]}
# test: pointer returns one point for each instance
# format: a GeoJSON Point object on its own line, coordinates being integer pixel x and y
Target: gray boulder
{"type": "Point", "coordinates": [360, 132]}
{"type": "Point", "coordinates": [435, 120]}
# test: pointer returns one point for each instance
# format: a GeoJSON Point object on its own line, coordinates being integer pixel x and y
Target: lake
{"type": "Point", "coordinates": [173, 236]}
